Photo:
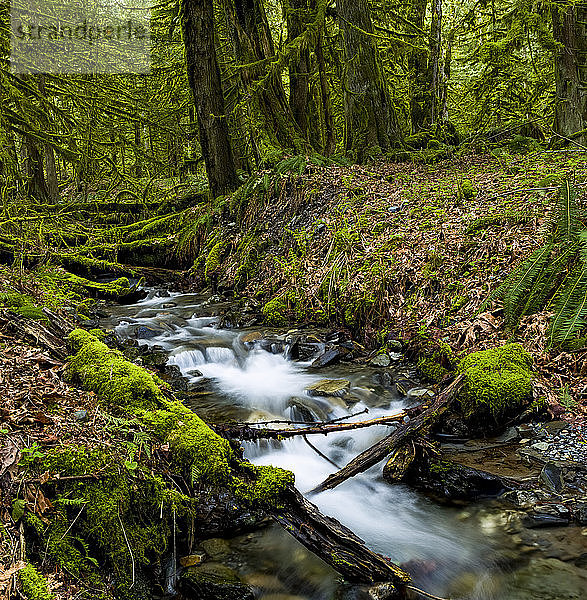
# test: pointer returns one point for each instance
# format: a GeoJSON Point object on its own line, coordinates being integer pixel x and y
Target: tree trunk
{"type": "Point", "coordinates": [570, 29]}
{"type": "Point", "coordinates": [418, 65]}
{"type": "Point", "coordinates": [299, 68]}
{"type": "Point", "coordinates": [49, 156]}
{"type": "Point", "coordinates": [204, 80]}
{"type": "Point", "coordinates": [252, 42]}
{"type": "Point", "coordinates": [432, 107]}
{"type": "Point", "coordinates": [36, 182]}
{"type": "Point", "coordinates": [370, 119]}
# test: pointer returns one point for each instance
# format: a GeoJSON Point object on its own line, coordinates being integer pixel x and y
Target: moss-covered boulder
{"type": "Point", "coordinates": [498, 383]}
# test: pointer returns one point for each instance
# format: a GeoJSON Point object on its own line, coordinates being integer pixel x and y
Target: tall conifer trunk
{"type": "Point", "coordinates": [370, 116]}
{"type": "Point", "coordinates": [570, 29]}
{"type": "Point", "coordinates": [204, 80]}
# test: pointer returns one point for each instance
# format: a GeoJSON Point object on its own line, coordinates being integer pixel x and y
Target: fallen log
{"type": "Point", "coordinates": [336, 544]}
{"type": "Point", "coordinates": [35, 333]}
{"type": "Point", "coordinates": [248, 433]}
{"type": "Point", "coordinates": [416, 426]}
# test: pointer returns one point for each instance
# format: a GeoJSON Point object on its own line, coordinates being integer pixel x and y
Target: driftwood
{"type": "Point", "coordinates": [248, 433]}
{"type": "Point", "coordinates": [336, 544]}
{"type": "Point", "coordinates": [415, 427]}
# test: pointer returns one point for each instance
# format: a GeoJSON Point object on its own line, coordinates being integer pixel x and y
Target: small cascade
{"type": "Point", "coordinates": [258, 380]}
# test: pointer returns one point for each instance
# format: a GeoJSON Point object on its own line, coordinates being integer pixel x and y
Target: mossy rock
{"type": "Point", "coordinates": [275, 312]}
{"type": "Point", "coordinates": [213, 581]}
{"type": "Point", "coordinates": [498, 383]}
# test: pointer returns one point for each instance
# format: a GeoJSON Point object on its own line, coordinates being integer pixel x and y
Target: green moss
{"type": "Point", "coordinates": [466, 190]}
{"type": "Point", "coordinates": [497, 381]}
{"type": "Point", "coordinates": [275, 312]}
{"type": "Point", "coordinates": [107, 373]}
{"type": "Point", "coordinates": [267, 487]}
{"type": "Point", "coordinates": [23, 305]}
{"type": "Point", "coordinates": [34, 585]}
{"type": "Point", "coordinates": [431, 369]}
{"type": "Point", "coordinates": [214, 258]}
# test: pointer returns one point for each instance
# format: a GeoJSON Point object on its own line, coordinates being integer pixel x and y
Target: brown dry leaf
{"type": "Point", "coordinates": [9, 456]}
{"type": "Point", "coordinates": [37, 499]}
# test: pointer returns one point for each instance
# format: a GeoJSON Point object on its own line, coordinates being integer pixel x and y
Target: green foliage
{"type": "Point", "coordinates": [560, 265]}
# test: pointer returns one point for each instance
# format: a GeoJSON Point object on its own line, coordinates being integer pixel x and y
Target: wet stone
{"type": "Point", "coordinates": [80, 415]}
{"type": "Point", "coordinates": [330, 357]}
{"type": "Point", "coordinates": [329, 387]}
{"type": "Point", "coordinates": [552, 477]}
{"type": "Point", "coordinates": [381, 360]}
{"type": "Point", "coordinates": [213, 581]}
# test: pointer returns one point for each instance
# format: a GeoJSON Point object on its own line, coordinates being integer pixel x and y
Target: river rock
{"type": "Point", "coordinates": [310, 409]}
{"type": "Point", "coordinates": [213, 581]}
{"type": "Point", "coordinates": [329, 387]}
{"type": "Point", "coordinates": [548, 578]}
{"type": "Point", "coordinates": [250, 338]}
{"type": "Point", "coordinates": [379, 591]}
{"type": "Point", "coordinates": [216, 548]}
{"type": "Point", "coordinates": [330, 357]}
{"type": "Point", "coordinates": [146, 333]}
{"type": "Point", "coordinates": [552, 477]}
{"type": "Point", "coordinates": [381, 360]}
{"type": "Point", "coordinates": [192, 559]}
{"type": "Point", "coordinates": [547, 515]}
{"type": "Point", "coordinates": [580, 513]}
{"type": "Point", "coordinates": [454, 481]}
{"type": "Point", "coordinates": [262, 581]}
{"type": "Point", "coordinates": [420, 394]}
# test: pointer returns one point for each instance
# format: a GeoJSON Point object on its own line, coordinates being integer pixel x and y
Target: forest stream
{"type": "Point", "coordinates": [453, 551]}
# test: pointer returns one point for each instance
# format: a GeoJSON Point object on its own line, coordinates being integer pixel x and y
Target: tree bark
{"type": "Point", "coordinates": [252, 42]}
{"type": "Point", "coordinates": [204, 80]}
{"type": "Point", "coordinates": [570, 29]}
{"type": "Point", "coordinates": [433, 103]}
{"type": "Point", "coordinates": [299, 68]}
{"type": "Point", "coordinates": [418, 64]}
{"type": "Point", "coordinates": [370, 117]}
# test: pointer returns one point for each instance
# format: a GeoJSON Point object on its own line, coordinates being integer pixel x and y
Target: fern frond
{"type": "Point", "coordinates": [571, 309]}
{"type": "Point", "coordinates": [520, 282]}
{"type": "Point", "coordinates": [544, 285]}
{"type": "Point", "coordinates": [567, 213]}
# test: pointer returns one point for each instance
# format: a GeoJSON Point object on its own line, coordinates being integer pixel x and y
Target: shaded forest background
{"type": "Point", "coordinates": [237, 85]}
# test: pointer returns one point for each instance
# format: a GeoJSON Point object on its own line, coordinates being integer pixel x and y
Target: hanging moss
{"type": "Point", "coordinates": [497, 381]}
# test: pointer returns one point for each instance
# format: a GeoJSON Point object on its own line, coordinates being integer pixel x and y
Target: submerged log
{"type": "Point", "coordinates": [336, 544]}
{"type": "Point", "coordinates": [415, 427]}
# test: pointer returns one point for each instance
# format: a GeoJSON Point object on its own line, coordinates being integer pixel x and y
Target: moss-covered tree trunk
{"type": "Point", "coordinates": [433, 102]}
{"type": "Point", "coordinates": [300, 66]}
{"type": "Point", "coordinates": [418, 64]}
{"type": "Point", "coordinates": [36, 185]}
{"type": "Point", "coordinates": [371, 124]}
{"type": "Point", "coordinates": [204, 80]}
{"type": "Point", "coordinates": [252, 44]}
{"type": "Point", "coordinates": [570, 30]}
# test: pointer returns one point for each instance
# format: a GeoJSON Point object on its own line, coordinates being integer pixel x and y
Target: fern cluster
{"type": "Point", "coordinates": [556, 273]}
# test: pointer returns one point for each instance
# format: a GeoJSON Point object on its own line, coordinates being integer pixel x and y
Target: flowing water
{"type": "Point", "coordinates": [458, 551]}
